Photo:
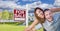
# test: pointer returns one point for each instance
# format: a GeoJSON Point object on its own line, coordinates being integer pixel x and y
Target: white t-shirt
{"type": "Point", "coordinates": [46, 24]}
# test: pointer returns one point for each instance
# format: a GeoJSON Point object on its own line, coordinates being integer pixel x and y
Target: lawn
{"type": "Point", "coordinates": [6, 27]}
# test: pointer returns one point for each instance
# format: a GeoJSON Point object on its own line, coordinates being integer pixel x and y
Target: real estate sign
{"type": "Point", "coordinates": [19, 15]}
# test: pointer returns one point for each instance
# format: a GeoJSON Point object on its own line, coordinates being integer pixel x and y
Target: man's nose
{"type": "Point", "coordinates": [48, 15]}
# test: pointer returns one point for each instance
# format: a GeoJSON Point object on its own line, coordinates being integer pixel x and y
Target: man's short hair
{"type": "Point", "coordinates": [46, 10]}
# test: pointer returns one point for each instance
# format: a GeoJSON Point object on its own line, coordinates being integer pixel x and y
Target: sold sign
{"type": "Point", "coordinates": [19, 14]}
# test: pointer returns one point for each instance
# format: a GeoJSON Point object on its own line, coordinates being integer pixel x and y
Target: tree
{"type": "Point", "coordinates": [5, 15]}
{"type": "Point", "coordinates": [11, 15]}
{"type": "Point", "coordinates": [0, 15]}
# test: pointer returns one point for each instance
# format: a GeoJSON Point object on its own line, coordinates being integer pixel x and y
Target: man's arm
{"type": "Point", "coordinates": [55, 9]}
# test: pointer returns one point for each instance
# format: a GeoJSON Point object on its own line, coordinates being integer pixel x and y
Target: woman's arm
{"type": "Point", "coordinates": [32, 25]}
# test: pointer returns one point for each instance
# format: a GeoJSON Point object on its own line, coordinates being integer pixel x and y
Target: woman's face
{"type": "Point", "coordinates": [40, 13]}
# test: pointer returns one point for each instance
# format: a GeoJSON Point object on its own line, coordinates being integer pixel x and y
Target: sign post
{"type": "Point", "coordinates": [26, 15]}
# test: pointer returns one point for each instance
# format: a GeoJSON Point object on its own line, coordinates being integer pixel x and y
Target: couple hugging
{"type": "Point", "coordinates": [47, 19]}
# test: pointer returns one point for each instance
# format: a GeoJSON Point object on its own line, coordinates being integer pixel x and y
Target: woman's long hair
{"type": "Point", "coordinates": [41, 20]}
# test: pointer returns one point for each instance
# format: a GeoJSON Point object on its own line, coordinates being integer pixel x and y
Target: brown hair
{"type": "Point", "coordinates": [41, 20]}
{"type": "Point", "coordinates": [46, 10]}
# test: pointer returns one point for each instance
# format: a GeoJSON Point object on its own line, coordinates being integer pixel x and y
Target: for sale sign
{"type": "Point", "coordinates": [19, 15]}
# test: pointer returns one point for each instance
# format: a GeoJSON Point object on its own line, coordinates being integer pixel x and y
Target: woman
{"type": "Point", "coordinates": [39, 18]}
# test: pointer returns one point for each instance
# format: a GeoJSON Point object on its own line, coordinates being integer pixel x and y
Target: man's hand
{"type": "Point", "coordinates": [55, 9]}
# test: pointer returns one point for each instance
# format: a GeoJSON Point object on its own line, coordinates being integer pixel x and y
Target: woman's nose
{"type": "Point", "coordinates": [42, 14]}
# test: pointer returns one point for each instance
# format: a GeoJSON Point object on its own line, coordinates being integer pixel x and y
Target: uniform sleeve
{"type": "Point", "coordinates": [57, 16]}
{"type": "Point", "coordinates": [56, 25]}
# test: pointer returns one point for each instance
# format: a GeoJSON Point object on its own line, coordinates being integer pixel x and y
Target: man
{"type": "Point", "coordinates": [52, 22]}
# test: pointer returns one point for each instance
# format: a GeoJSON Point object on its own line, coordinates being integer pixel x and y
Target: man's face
{"type": "Point", "coordinates": [48, 15]}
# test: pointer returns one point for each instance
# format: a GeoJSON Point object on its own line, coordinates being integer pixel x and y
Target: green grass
{"type": "Point", "coordinates": [6, 27]}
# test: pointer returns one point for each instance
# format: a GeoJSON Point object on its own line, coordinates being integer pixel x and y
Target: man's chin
{"type": "Point", "coordinates": [49, 20]}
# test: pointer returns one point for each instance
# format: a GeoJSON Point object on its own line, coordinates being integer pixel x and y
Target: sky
{"type": "Point", "coordinates": [31, 1]}
{"type": "Point", "coordinates": [17, 4]}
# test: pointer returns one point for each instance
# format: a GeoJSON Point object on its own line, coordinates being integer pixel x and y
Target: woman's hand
{"type": "Point", "coordinates": [27, 29]}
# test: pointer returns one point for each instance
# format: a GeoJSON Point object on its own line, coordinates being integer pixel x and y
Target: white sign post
{"type": "Point", "coordinates": [26, 15]}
